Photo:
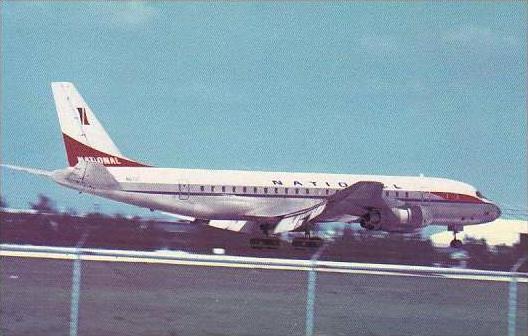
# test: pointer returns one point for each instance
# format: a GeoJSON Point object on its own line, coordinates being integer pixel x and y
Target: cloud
{"type": "Point", "coordinates": [129, 14]}
{"type": "Point", "coordinates": [501, 231]}
{"type": "Point", "coordinates": [478, 36]}
{"type": "Point", "coordinates": [116, 14]}
{"type": "Point", "coordinates": [379, 44]}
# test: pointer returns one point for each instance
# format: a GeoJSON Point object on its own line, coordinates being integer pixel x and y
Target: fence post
{"type": "Point", "coordinates": [512, 298]}
{"type": "Point", "coordinates": [76, 286]}
{"type": "Point", "coordinates": [310, 294]}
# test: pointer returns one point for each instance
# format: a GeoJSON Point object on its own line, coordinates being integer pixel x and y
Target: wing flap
{"type": "Point", "coordinates": [294, 221]}
{"type": "Point", "coordinates": [234, 225]}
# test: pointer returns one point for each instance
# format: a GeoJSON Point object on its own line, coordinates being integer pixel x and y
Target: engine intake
{"type": "Point", "coordinates": [395, 219]}
{"type": "Point", "coordinates": [372, 220]}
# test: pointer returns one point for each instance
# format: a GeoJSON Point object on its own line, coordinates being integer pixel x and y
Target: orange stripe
{"type": "Point", "coordinates": [457, 197]}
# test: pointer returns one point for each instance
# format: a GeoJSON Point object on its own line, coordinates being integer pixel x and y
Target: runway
{"type": "Point", "coordinates": [181, 294]}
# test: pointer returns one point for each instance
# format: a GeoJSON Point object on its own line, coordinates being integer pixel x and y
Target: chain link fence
{"type": "Point", "coordinates": [79, 291]}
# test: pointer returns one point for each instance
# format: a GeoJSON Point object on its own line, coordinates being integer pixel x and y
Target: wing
{"type": "Point", "coordinates": [349, 203]}
{"type": "Point", "coordinates": [355, 200]}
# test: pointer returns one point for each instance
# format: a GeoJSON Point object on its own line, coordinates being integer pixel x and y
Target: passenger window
{"type": "Point", "coordinates": [265, 190]}
{"type": "Point", "coordinates": [296, 190]}
{"type": "Point", "coordinates": [407, 194]}
{"type": "Point", "coordinates": [276, 190]}
{"type": "Point", "coordinates": [307, 191]}
{"type": "Point", "coordinates": [202, 188]}
{"type": "Point", "coordinates": [327, 191]}
{"type": "Point", "coordinates": [286, 190]}
{"type": "Point", "coordinates": [223, 188]}
{"type": "Point", "coordinates": [244, 189]}
{"type": "Point", "coordinates": [212, 188]}
{"type": "Point", "coordinates": [387, 193]}
{"type": "Point", "coordinates": [255, 190]}
{"type": "Point", "coordinates": [397, 194]}
{"type": "Point", "coordinates": [234, 189]}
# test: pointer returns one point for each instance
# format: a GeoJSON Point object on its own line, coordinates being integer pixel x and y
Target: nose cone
{"type": "Point", "coordinates": [499, 212]}
{"type": "Point", "coordinates": [491, 212]}
{"type": "Point", "coordinates": [495, 211]}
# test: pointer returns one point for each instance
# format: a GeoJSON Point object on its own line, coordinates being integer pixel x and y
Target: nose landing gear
{"type": "Point", "coordinates": [455, 243]}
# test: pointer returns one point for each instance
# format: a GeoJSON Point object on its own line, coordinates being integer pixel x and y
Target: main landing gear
{"type": "Point", "coordinates": [455, 243]}
{"type": "Point", "coordinates": [273, 242]}
{"type": "Point", "coordinates": [267, 242]}
{"type": "Point", "coordinates": [307, 241]}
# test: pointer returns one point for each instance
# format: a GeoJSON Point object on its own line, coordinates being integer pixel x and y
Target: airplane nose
{"type": "Point", "coordinates": [497, 211]}
{"type": "Point", "coordinates": [492, 211]}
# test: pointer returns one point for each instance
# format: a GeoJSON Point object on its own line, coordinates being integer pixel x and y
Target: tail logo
{"type": "Point", "coordinates": [108, 160]}
{"type": "Point", "coordinates": [78, 151]}
{"type": "Point", "coordinates": [82, 116]}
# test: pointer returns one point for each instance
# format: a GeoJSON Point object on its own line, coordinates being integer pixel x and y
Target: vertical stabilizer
{"type": "Point", "coordinates": [84, 136]}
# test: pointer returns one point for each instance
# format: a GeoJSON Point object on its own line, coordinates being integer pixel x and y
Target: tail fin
{"type": "Point", "coordinates": [85, 138]}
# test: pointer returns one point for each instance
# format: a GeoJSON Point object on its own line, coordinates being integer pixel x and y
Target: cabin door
{"type": "Point", "coordinates": [426, 197]}
{"type": "Point", "coordinates": [184, 190]}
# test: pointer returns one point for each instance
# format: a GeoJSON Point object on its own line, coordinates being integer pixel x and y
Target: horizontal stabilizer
{"type": "Point", "coordinates": [33, 171]}
{"type": "Point", "coordinates": [93, 175]}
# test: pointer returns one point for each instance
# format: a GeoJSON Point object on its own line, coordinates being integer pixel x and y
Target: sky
{"type": "Point", "coordinates": [388, 88]}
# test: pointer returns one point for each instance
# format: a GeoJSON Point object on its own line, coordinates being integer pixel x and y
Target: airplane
{"type": "Point", "coordinates": [266, 203]}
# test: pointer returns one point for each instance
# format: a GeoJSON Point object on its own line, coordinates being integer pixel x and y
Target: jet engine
{"type": "Point", "coordinates": [371, 220]}
{"type": "Point", "coordinates": [395, 219]}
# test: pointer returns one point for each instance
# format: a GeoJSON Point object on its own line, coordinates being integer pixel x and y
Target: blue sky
{"type": "Point", "coordinates": [368, 88]}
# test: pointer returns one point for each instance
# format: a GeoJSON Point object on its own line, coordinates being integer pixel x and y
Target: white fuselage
{"type": "Point", "coordinates": [240, 195]}
{"type": "Point", "coordinates": [286, 200]}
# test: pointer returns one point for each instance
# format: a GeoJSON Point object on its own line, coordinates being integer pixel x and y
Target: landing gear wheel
{"type": "Point", "coordinates": [265, 229]}
{"type": "Point", "coordinates": [456, 243]}
{"type": "Point", "coordinates": [307, 232]}
{"type": "Point", "coordinates": [265, 243]}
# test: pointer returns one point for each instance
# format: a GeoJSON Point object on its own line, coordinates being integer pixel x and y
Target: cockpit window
{"type": "Point", "coordinates": [479, 195]}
